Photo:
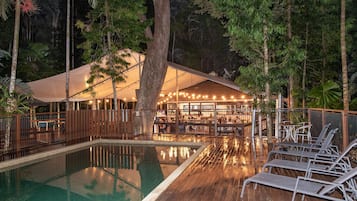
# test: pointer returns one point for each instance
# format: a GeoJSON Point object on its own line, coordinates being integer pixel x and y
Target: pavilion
{"type": "Point", "coordinates": [192, 85]}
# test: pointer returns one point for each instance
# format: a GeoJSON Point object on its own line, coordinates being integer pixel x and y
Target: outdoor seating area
{"type": "Point", "coordinates": [231, 161]}
{"type": "Point", "coordinates": [325, 173]}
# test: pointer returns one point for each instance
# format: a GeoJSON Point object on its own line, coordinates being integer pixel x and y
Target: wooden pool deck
{"type": "Point", "coordinates": [219, 171]}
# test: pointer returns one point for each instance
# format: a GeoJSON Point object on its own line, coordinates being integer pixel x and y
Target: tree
{"type": "Point", "coordinates": [255, 31]}
{"type": "Point", "coordinates": [344, 57]}
{"type": "Point", "coordinates": [26, 6]}
{"type": "Point", "coordinates": [113, 26]}
{"type": "Point", "coordinates": [154, 70]}
{"type": "Point", "coordinates": [68, 25]}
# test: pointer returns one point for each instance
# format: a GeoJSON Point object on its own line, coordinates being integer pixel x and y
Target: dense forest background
{"type": "Point", "coordinates": [199, 41]}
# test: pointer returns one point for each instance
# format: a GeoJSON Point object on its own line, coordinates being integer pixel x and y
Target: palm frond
{"type": "Point", "coordinates": [92, 3]}
{"type": "Point", "coordinates": [4, 8]}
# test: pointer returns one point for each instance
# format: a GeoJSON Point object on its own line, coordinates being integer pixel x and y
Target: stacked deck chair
{"type": "Point", "coordinates": [337, 163]}
{"type": "Point", "coordinates": [301, 152]}
{"type": "Point", "coordinates": [310, 186]}
{"type": "Point", "coordinates": [321, 160]}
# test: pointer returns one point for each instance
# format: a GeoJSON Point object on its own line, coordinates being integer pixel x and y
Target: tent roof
{"type": "Point", "coordinates": [52, 89]}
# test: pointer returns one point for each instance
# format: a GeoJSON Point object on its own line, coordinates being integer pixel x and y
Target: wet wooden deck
{"type": "Point", "coordinates": [219, 171]}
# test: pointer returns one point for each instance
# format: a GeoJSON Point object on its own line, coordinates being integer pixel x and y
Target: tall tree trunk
{"type": "Point", "coordinates": [68, 50]}
{"type": "Point", "coordinates": [344, 74]}
{"type": "Point", "coordinates": [154, 71]}
{"type": "Point", "coordinates": [110, 56]}
{"type": "Point", "coordinates": [11, 102]}
{"type": "Point", "coordinates": [15, 47]}
{"type": "Point", "coordinates": [305, 66]}
{"type": "Point", "coordinates": [344, 57]}
{"type": "Point", "coordinates": [291, 75]}
{"type": "Point", "coordinates": [267, 85]}
{"type": "Point", "coordinates": [324, 55]}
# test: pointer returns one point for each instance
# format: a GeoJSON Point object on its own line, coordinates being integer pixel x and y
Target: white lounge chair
{"type": "Point", "coordinates": [306, 186]}
{"type": "Point", "coordinates": [307, 152]}
{"type": "Point", "coordinates": [321, 161]}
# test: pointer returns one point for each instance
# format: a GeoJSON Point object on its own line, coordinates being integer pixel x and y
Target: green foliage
{"type": "Point", "coordinates": [21, 97]}
{"type": "Point", "coordinates": [3, 55]}
{"type": "Point", "coordinates": [126, 30]}
{"type": "Point", "coordinates": [326, 95]}
{"type": "Point", "coordinates": [353, 104]}
{"type": "Point", "coordinates": [35, 62]}
{"type": "Point", "coordinates": [4, 9]}
{"type": "Point", "coordinates": [253, 79]}
{"type": "Point", "coordinates": [244, 22]}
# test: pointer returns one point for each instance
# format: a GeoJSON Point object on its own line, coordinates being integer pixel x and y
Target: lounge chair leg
{"type": "Point", "coordinates": [302, 197]}
{"type": "Point", "coordinates": [243, 188]}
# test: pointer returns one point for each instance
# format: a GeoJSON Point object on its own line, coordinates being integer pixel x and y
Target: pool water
{"type": "Point", "coordinates": [100, 173]}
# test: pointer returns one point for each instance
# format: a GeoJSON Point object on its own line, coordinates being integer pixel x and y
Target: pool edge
{"type": "Point", "coordinates": [158, 190]}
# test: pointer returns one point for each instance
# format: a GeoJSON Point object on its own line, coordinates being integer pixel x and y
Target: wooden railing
{"type": "Point", "coordinates": [346, 121]}
{"type": "Point", "coordinates": [28, 133]}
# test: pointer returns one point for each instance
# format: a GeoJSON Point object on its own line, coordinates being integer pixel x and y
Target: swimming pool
{"type": "Point", "coordinates": [99, 172]}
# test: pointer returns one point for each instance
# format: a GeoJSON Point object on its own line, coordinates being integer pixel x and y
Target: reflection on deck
{"type": "Point", "coordinates": [218, 173]}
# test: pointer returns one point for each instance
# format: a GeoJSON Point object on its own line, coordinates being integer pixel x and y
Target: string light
{"type": "Point", "coordinates": [193, 96]}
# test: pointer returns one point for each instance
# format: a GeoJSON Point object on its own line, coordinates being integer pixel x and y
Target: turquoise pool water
{"type": "Point", "coordinates": [99, 173]}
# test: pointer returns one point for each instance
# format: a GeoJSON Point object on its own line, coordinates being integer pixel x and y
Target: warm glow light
{"type": "Point", "coordinates": [133, 98]}
{"type": "Point", "coordinates": [85, 81]}
{"type": "Point", "coordinates": [124, 99]}
{"type": "Point", "coordinates": [162, 95]}
{"type": "Point", "coordinates": [90, 102]}
{"type": "Point", "coordinates": [107, 100]}
{"type": "Point", "coordinates": [99, 101]}
{"type": "Point", "coordinates": [232, 97]}
{"type": "Point", "coordinates": [243, 96]}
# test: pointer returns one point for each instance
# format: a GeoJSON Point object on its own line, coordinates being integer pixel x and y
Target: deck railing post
{"type": "Point", "coordinates": [18, 132]}
{"type": "Point", "coordinates": [345, 137]}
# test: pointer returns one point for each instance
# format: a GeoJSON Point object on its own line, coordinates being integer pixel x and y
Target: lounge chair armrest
{"type": "Point", "coordinates": [334, 149]}
{"type": "Point", "coordinates": [323, 156]}
{"type": "Point", "coordinates": [311, 171]}
{"type": "Point", "coordinates": [315, 180]}
{"type": "Point", "coordinates": [300, 178]}
{"type": "Point", "coordinates": [314, 161]}
{"type": "Point", "coordinates": [342, 165]}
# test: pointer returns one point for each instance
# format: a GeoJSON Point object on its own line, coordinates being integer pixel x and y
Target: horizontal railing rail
{"type": "Point", "coordinates": [22, 134]}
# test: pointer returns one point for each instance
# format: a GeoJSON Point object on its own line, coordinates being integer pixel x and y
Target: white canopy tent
{"type": "Point", "coordinates": [52, 89]}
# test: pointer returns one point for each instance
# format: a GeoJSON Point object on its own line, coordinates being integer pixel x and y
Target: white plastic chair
{"type": "Point", "coordinates": [303, 132]}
